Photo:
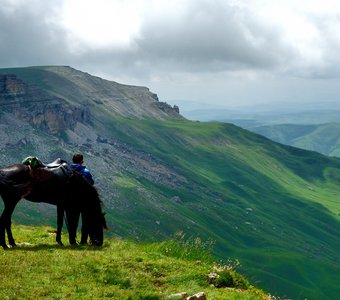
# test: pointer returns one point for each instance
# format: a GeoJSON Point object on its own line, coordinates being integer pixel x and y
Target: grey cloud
{"type": "Point", "coordinates": [329, 29]}
{"type": "Point", "coordinates": [205, 36]}
{"type": "Point", "coordinates": [212, 36]}
{"type": "Point", "coordinates": [28, 35]}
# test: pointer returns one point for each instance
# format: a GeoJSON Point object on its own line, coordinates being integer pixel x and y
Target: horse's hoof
{"type": "Point", "coordinates": [60, 243]}
{"type": "Point", "coordinates": [4, 246]}
{"type": "Point", "coordinates": [12, 243]}
{"type": "Point", "coordinates": [96, 243]}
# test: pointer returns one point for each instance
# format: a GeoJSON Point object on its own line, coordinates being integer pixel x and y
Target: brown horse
{"type": "Point", "coordinates": [70, 192]}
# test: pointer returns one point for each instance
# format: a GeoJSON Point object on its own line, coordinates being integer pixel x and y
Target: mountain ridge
{"type": "Point", "coordinates": [70, 85]}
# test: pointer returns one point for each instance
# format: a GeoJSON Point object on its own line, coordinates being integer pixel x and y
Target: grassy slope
{"type": "Point", "coordinates": [39, 269]}
{"type": "Point", "coordinates": [271, 206]}
{"type": "Point", "coordinates": [284, 133]}
{"type": "Point", "coordinates": [323, 138]}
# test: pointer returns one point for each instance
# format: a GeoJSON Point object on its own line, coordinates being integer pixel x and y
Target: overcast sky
{"type": "Point", "coordinates": [222, 52]}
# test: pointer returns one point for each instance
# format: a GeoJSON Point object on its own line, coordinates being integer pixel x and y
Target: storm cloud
{"type": "Point", "coordinates": [200, 49]}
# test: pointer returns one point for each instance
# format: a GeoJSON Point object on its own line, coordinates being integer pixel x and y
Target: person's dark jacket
{"type": "Point", "coordinates": [83, 171]}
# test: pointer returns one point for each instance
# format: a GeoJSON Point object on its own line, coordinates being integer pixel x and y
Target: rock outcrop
{"type": "Point", "coordinates": [11, 86]}
{"type": "Point", "coordinates": [37, 107]}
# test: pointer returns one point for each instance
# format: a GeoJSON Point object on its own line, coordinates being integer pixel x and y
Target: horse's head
{"type": "Point", "coordinates": [96, 231]}
{"type": "Point", "coordinates": [91, 208]}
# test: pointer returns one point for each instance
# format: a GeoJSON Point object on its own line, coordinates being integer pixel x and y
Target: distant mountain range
{"type": "Point", "coordinates": [265, 117]}
{"type": "Point", "coordinates": [316, 129]}
{"type": "Point", "coordinates": [324, 138]}
{"type": "Point", "coordinates": [275, 208]}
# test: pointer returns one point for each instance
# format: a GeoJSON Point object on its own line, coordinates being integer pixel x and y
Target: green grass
{"type": "Point", "coordinates": [39, 269]}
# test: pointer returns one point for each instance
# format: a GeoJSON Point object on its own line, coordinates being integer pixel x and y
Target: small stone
{"type": "Point", "coordinates": [178, 296]}
{"type": "Point", "coordinates": [198, 296]}
{"type": "Point", "coordinates": [177, 199]}
{"type": "Point", "coordinates": [212, 277]}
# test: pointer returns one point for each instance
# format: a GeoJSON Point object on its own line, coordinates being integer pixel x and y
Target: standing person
{"type": "Point", "coordinates": [77, 165]}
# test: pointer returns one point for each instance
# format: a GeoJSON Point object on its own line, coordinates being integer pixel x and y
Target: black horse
{"type": "Point", "coordinates": [84, 229]}
{"type": "Point", "coordinates": [71, 193]}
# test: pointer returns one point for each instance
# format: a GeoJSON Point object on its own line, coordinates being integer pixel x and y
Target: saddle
{"type": "Point", "coordinates": [58, 170]}
{"type": "Point", "coordinates": [57, 163]}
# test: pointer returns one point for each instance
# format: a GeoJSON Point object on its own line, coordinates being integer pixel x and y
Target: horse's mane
{"type": "Point", "coordinates": [87, 190]}
{"type": "Point", "coordinates": [89, 195]}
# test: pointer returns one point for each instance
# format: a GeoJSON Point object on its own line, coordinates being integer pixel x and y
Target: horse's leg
{"type": "Point", "coordinates": [2, 230]}
{"type": "Point", "coordinates": [9, 233]}
{"type": "Point", "coordinates": [72, 217]}
{"type": "Point", "coordinates": [60, 222]}
{"type": "Point", "coordinates": [5, 221]}
{"type": "Point", "coordinates": [9, 222]}
{"type": "Point", "coordinates": [84, 232]}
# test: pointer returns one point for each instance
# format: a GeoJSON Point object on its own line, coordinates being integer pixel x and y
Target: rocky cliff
{"type": "Point", "coordinates": [38, 107]}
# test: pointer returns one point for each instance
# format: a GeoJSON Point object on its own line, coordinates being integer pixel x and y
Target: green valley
{"type": "Point", "coordinates": [322, 138]}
